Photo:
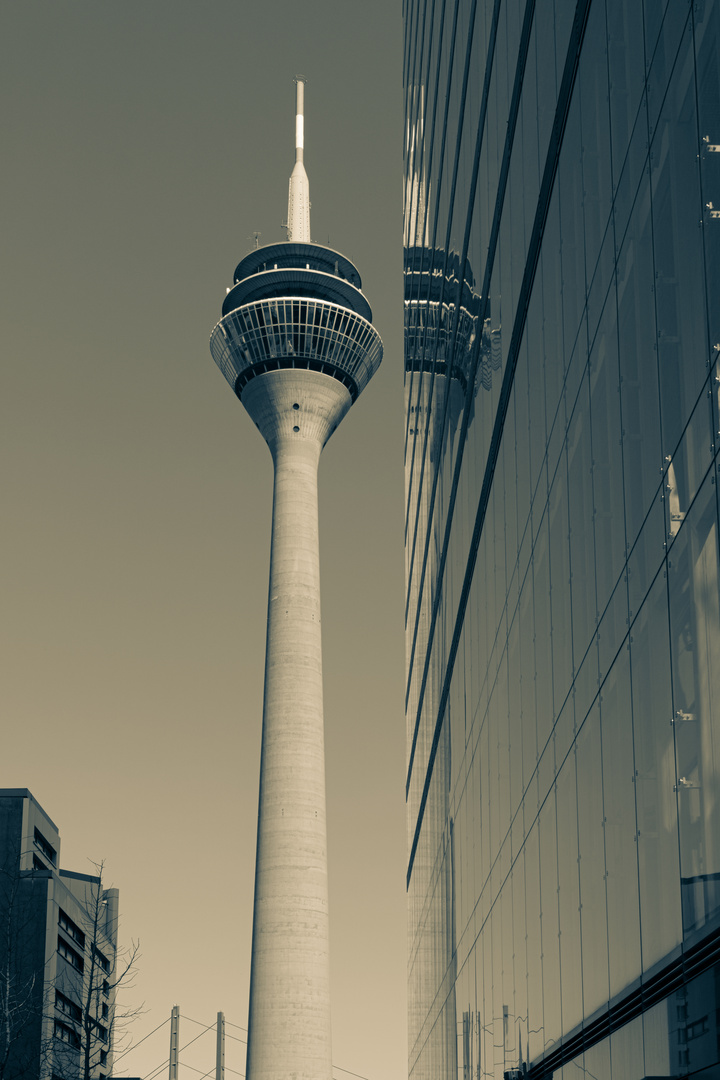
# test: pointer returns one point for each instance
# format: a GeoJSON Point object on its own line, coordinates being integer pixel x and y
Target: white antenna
{"type": "Point", "coordinates": [298, 219]}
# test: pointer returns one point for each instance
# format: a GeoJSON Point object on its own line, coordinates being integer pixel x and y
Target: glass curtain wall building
{"type": "Point", "coordinates": [562, 268]}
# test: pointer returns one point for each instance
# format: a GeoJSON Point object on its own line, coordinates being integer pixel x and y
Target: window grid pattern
{"type": "Point", "coordinates": [563, 793]}
{"type": "Point", "coordinates": [277, 332]}
{"type": "Point", "coordinates": [101, 959]}
{"type": "Point", "coordinates": [71, 928]}
{"type": "Point", "coordinates": [45, 847]}
{"type": "Point", "coordinates": [64, 1005]}
{"type": "Point", "coordinates": [69, 954]}
{"type": "Point", "coordinates": [67, 1034]}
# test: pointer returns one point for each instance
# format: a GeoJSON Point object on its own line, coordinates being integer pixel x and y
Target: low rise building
{"type": "Point", "coordinates": [58, 944]}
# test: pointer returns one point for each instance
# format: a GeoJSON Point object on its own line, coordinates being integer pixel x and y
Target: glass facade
{"type": "Point", "coordinates": [562, 386]}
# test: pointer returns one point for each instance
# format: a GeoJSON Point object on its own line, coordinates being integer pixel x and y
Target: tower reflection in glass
{"type": "Point", "coordinates": [563, 599]}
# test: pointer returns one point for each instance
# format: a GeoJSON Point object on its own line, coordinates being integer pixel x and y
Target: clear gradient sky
{"type": "Point", "coordinates": [143, 143]}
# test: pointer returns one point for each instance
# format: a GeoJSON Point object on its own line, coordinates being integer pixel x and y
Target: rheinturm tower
{"type": "Point", "coordinates": [297, 346]}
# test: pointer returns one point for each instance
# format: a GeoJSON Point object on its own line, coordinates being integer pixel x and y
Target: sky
{"type": "Point", "coordinates": [144, 144]}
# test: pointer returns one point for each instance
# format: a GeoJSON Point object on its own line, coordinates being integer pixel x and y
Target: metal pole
{"type": "Point", "coordinates": [220, 1054]}
{"type": "Point", "coordinates": [174, 1042]}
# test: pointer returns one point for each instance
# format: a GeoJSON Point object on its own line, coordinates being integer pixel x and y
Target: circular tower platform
{"type": "Point", "coordinates": [296, 305]}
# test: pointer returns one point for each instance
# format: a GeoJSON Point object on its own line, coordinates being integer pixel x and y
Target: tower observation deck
{"type": "Point", "coordinates": [297, 346]}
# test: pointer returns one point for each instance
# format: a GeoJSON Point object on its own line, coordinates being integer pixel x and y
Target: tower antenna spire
{"type": "Point", "coordinates": [298, 219]}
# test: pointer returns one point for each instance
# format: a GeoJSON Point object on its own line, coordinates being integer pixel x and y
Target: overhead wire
{"type": "Point", "coordinates": [119, 1057]}
{"type": "Point", "coordinates": [225, 1067]}
{"type": "Point", "coordinates": [156, 1071]}
{"type": "Point", "coordinates": [186, 1066]}
{"type": "Point", "coordinates": [209, 1027]}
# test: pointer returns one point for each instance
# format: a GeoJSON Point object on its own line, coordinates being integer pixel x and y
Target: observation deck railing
{"type": "Point", "coordinates": [296, 332]}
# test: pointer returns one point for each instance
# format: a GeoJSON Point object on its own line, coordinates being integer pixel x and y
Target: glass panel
{"type": "Point", "coordinates": [613, 627]}
{"type": "Point", "coordinates": [536, 1040]}
{"type": "Point", "coordinates": [647, 555]}
{"type": "Point", "coordinates": [569, 895]}
{"type": "Point", "coordinates": [638, 366]}
{"type": "Point", "coordinates": [658, 855]}
{"type": "Point", "coordinates": [706, 25]}
{"type": "Point", "coordinates": [593, 909]}
{"type": "Point", "coordinates": [597, 1061]}
{"type": "Point", "coordinates": [520, 946]}
{"type": "Point", "coordinates": [695, 642]}
{"type": "Point", "coordinates": [687, 467]}
{"type": "Point", "coordinates": [582, 555]}
{"type": "Point", "coordinates": [543, 639]}
{"type": "Point", "coordinates": [656, 1029]}
{"type": "Point", "coordinates": [620, 829]}
{"type": "Point", "coordinates": [693, 1024]}
{"type": "Point", "coordinates": [678, 253]}
{"type": "Point", "coordinates": [625, 44]}
{"type": "Point", "coordinates": [562, 658]}
{"type": "Point", "coordinates": [626, 1051]}
{"type": "Point", "coordinates": [569, 184]}
{"type": "Point", "coordinates": [549, 922]}
{"type": "Point", "coordinates": [592, 91]}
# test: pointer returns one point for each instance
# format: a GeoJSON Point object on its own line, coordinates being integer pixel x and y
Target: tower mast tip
{"type": "Point", "coordinates": [298, 218]}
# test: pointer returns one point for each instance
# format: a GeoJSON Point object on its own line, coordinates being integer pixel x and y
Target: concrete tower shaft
{"type": "Point", "coordinates": [289, 1025]}
{"type": "Point", "coordinates": [297, 346]}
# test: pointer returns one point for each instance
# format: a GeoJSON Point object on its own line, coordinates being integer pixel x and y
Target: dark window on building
{"type": "Point", "coordinates": [697, 1028]}
{"type": "Point", "coordinates": [38, 864]}
{"type": "Point", "coordinates": [71, 929]}
{"type": "Point", "coordinates": [101, 1032]}
{"type": "Point", "coordinates": [69, 1008]}
{"type": "Point", "coordinates": [69, 954]}
{"type": "Point", "coordinates": [103, 1057]}
{"type": "Point", "coordinates": [47, 849]}
{"type": "Point", "coordinates": [105, 1011]}
{"type": "Point", "coordinates": [67, 1034]}
{"type": "Point", "coordinates": [102, 961]}
{"type": "Point", "coordinates": [106, 987]}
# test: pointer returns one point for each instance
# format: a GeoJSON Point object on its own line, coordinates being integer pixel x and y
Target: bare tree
{"type": "Point", "coordinates": [102, 1020]}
